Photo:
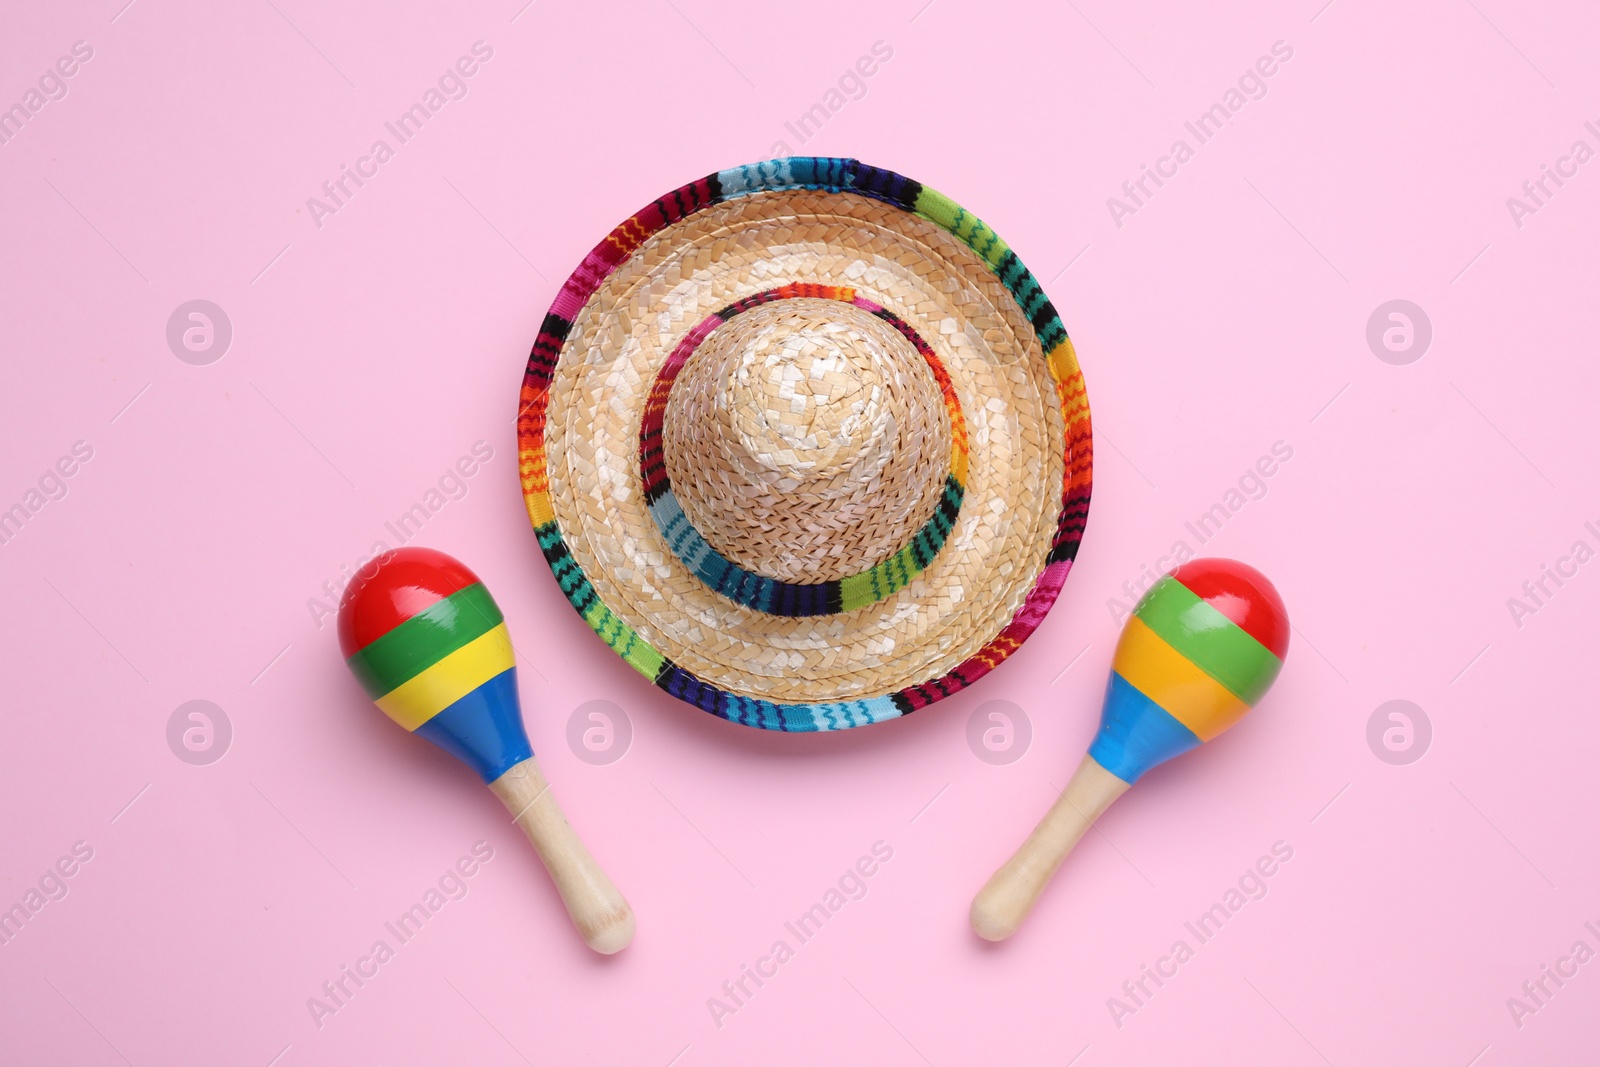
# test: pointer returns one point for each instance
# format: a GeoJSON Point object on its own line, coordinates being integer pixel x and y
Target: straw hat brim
{"type": "Point", "coordinates": [965, 361]}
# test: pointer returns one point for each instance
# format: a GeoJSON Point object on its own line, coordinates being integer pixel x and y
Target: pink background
{"type": "Point", "coordinates": [1228, 313]}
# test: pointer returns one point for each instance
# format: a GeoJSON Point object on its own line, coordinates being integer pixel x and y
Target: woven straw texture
{"type": "Point", "coordinates": [805, 444]}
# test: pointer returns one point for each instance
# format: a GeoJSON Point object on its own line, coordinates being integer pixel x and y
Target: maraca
{"type": "Point", "coordinates": [1202, 646]}
{"type": "Point", "coordinates": [425, 638]}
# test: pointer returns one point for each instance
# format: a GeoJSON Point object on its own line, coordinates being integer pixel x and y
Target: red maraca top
{"type": "Point", "coordinates": [402, 583]}
{"type": "Point", "coordinates": [1244, 595]}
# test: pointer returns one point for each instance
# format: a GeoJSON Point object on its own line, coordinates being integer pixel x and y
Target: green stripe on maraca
{"type": "Point", "coordinates": [424, 639]}
{"type": "Point", "coordinates": [1209, 639]}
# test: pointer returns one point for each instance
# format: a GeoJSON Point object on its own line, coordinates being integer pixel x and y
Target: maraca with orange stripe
{"type": "Point", "coordinates": [428, 643]}
{"type": "Point", "coordinates": [1201, 648]}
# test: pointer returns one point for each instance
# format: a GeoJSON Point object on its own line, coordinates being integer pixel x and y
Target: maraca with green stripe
{"type": "Point", "coordinates": [429, 645]}
{"type": "Point", "coordinates": [1203, 645]}
{"type": "Point", "coordinates": [1201, 648]}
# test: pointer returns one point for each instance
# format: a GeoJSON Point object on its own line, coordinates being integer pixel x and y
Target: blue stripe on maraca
{"type": "Point", "coordinates": [484, 728]}
{"type": "Point", "coordinates": [1136, 733]}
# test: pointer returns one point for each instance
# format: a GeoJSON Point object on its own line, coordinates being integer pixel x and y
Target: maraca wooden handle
{"type": "Point", "coordinates": [598, 910]}
{"type": "Point", "coordinates": [1009, 895]}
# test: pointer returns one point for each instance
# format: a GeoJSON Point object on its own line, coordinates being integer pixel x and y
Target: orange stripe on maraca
{"type": "Point", "coordinates": [1174, 682]}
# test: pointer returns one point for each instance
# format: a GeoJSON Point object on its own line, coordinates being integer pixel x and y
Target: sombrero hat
{"type": "Point", "coordinates": [805, 443]}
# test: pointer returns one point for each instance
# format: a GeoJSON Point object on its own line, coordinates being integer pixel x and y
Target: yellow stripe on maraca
{"type": "Point", "coordinates": [1172, 680]}
{"type": "Point", "coordinates": [451, 678]}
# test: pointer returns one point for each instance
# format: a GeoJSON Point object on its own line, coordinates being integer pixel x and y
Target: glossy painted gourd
{"type": "Point", "coordinates": [429, 645]}
{"type": "Point", "coordinates": [1202, 646]}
